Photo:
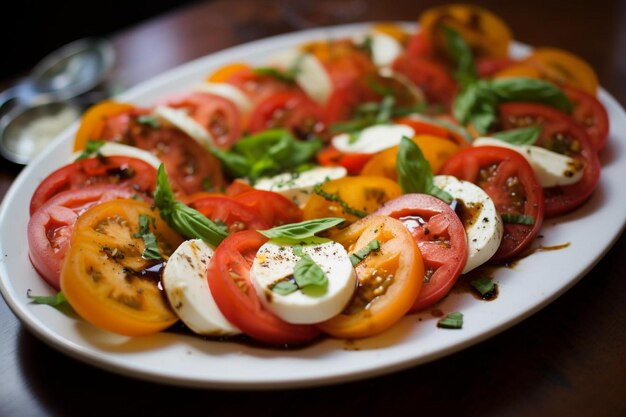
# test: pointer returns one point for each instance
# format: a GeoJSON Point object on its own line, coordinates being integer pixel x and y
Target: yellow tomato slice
{"type": "Point", "coordinates": [389, 279]}
{"type": "Point", "coordinates": [106, 279]}
{"type": "Point", "coordinates": [436, 150]}
{"type": "Point", "coordinates": [564, 68]}
{"type": "Point", "coordinates": [351, 197]}
{"type": "Point", "coordinates": [222, 74]}
{"type": "Point", "coordinates": [92, 122]}
{"type": "Point", "coordinates": [486, 34]}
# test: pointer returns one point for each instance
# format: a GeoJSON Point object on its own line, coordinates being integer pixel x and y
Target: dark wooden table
{"type": "Point", "coordinates": [569, 359]}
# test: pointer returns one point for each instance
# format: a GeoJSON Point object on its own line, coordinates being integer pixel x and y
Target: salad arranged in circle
{"type": "Point", "coordinates": [340, 186]}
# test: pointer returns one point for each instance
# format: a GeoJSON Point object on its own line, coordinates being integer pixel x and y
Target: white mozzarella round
{"type": "Point", "coordinates": [274, 262]}
{"type": "Point", "coordinates": [118, 149]}
{"type": "Point", "coordinates": [299, 186]}
{"type": "Point", "coordinates": [229, 92]}
{"type": "Point", "coordinates": [385, 49]}
{"type": "Point", "coordinates": [372, 139]}
{"type": "Point", "coordinates": [312, 77]}
{"type": "Point", "coordinates": [182, 121]}
{"type": "Point", "coordinates": [483, 225]}
{"type": "Point", "coordinates": [187, 288]}
{"type": "Point", "coordinates": [551, 168]}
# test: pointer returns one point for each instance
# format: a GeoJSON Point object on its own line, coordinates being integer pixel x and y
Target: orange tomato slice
{"type": "Point", "coordinates": [93, 121]}
{"type": "Point", "coordinates": [222, 74]}
{"type": "Point", "coordinates": [389, 279]}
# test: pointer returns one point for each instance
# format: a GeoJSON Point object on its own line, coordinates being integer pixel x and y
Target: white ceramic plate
{"type": "Point", "coordinates": [186, 360]}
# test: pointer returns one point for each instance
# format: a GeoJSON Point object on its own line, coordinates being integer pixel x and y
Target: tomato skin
{"type": "Point", "coordinates": [217, 115]}
{"type": "Point", "coordinates": [92, 123]}
{"type": "Point", "coordinates": [234, 214]}
{"type": "Point", "coordinates": [229, 281]}
{"type": "Point", "coordinates": [369, 314]}
{"type": "Point", "coordinates": [51, 225]}
{"type": "Point", "coordinates": [467, 164]}
{"type": "Point", "coordinates": [431, 76]}
{"type": "Point", "coordinates": [429, 220]}
{"type": "Point", "coordinates": [104, 276]}
{"type": "Point", "coordinates": [591, 114]}
{"type": "Point", "coordinates": [272, 208]}
{"type": "Point", "coordinates": [352, 162]}
{"type": "Point", "coordinates": [132, 173]}
{"type": "Point", "coordinates": [292, 110]}
{"type": "Point", "coordinates": [489, 67]}
{"type": "Point", "coordinates": [560, 199]}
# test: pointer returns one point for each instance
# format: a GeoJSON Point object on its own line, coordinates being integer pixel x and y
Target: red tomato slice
{"type": "Point", "coordinates": [132, 173]}
{"type": "Point", "coordinates": [432, 77]}
{"type": "Point", "coordinates": [229, 281]}
{"type": "Point", "coordinates": [189, 165]}
{"type": "Point", "coordinates": [291, 110]}
{"type": "Point", "coordinates": [272, 208]}
{"type": "Point", "coordinates": [353, 162]}
{"type": "Point", "coordinates": [234, 214]}
{"type": "Point", "coordinates": [590, 113]}
{"type": "Point", "coordinates": [51, 225]}
{"type": "Point", "coordinates": [487, 67]}
{"type": "Point", "coordinates": [238, 186]}
{"type": "Point", "coordinates": [440, 237]}
{"type": "Point", "coordinates": [217, 115]}
{"type": "Point", "coordinates": [510, 181]}
{"type": "Point", "coordinates": [560, 133]}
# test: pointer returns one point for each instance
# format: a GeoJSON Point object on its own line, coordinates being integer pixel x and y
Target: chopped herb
{"type": "Point", "coordinates": [362, 253]}
{"type": "Point", "coordinates": [310, 276]}
{"type": "Point", "coordinates": [92, 147]}
{"type": "Point", "coordinates": [484, 286]}
{"type": "Point", "coordinates": [285, 286]}
{"type": "Point", "coordinates": [517, 218]}
{"type": "Point", "coordinates": [287, 76]}
{"type": "Point", "coordinates": [57, 301]}
{"type": "Point", "coordinates": [335, 198]}
{"type": "Point", "coordinates": [151, 248]}
{"type": "Point", "coordinates": [148, 120]}
{"type": "Point", "coordinates": [451, 321]}
{"type": "Point", "coordinates": [522, 136]}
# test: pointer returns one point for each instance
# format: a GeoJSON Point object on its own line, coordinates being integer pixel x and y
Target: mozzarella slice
{"type": "Point", "coordinates": [274, 262]}
{"type": "Point", "coordinates": [372, 139]}
{"type": "Point", "coordinates": [312, 77]}
{"type": "Point", "coordinates": [187, 288]}
{"type": "Point", "coordinates": [551, 168]}
{"type": "Point", "coordinates": [385, 48]}
{"type": "Point", "coordinates": [299, 186]}
{"type": "Point", "coordinates": [229, 92]}
{"type": "Point", "coordinates": [182, 121]}
{"type": "Point", "coordinates": [483, 225]}
{"type": "Point", "coordinates": [118, 149]}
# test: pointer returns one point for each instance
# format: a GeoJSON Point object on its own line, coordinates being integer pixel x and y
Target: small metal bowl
{"type": "Point", "coordinates": [26, 131]}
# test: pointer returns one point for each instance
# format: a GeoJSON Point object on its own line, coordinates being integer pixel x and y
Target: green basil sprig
{"type": "Point", "coordinates": [478, 101]}
{"type": "Point", "coordinates": [182, 218]}
{"type": "Point", "coordinates": [57, 301]}
{"type": "Point", "coordinates": [414, 172]}
{"type": "Point", "coordinates": [517, 218]}
{"type": "Point", "coordinates": [92, 147]}
{"type": "Point", "coordinates": [362, 253]}
{"type": "Point", "coordinates": [267, 153]}
{"type": "Point", "coordinates": [302, 230]}
{"type": "Point", "coordinates": [522, 136]}
{"type": "Point", "coordinates": [451, 321]}
{"type": "Point", "coordinates": [461, 53]}
{"type": "Point", "coordinates": [151, 248]}
{"type": "Point", "coordinates": [287, 76]}
{"type": "Point", "coordinates": [308, 277]}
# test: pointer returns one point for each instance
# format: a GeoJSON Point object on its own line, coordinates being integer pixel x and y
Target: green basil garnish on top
{"type": "Point", "coordinates": [151, 248]}
{"type": "Point", "coordinates": [520, 137]}
{"type": "Point", "coordinates": [302, 230]}
{"type": "Point", "coordinates": [451, 321]}
{"type": "Point", "coordinates": [148, 120]}
{"type": "Point", "coordinates": [517, 218]}
{"type": "Point", "coordinates": [287, 76]}
{"type": "Point", "coordinates": [461, 54]}
{"type": "Point", "coordinates": [362, 253]}
{"type": "Point", "coordinates": [182, 218]}
{"type": "Point", "coordinates": [92, 147]}
{"type": "Point", "coordinates": [414, 172]}
{"type": "Point", "coordinates": [307, 276]}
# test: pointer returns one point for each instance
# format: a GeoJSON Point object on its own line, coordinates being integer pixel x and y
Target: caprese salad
{"type": "Point", "coordinates": [337, 188]}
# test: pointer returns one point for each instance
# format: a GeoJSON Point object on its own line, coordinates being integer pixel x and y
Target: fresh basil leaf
{"type": "Point", "coordinates": [50, 300]}
{"type": "Point", "coordinates": [462, 55]}
{"type": "Point", "coordinates": [451, 321]}
{"type": "Point", "coordinates": [182, 218]}
{"type": "Point", "coordinates": [362, 253]}
{"type": "Point", "coordinates": [302, 230]}
{"type": "Point", "coordinates": [386, 110]}
{"type": "Point", "coordinates": [522, 136]}
{"type": "Point", "coordinates": [267, 153]}
{"type": "Point", "coordinates": [517, 218]}
{"type": "Point", "coordinates": [148, 120]}
{"type": "Point", "coordinates": [287, 76]}
{"type": "Point", "coordinates": [414, 173]}
{"type": "Point", "coordinates": [476, 104]}
{"type": "Point", "coordinates": [92, 147]}
{"type": "Point", "coordinates": [334, 197]}
{"type": "Point", "coordinates": [484, 286]}
{"type": "Point", "coordinates": [285, 287]}
{"type": "Point", "coordinates": [151, 248]}
{"type": "Point", "coordinates": [530, 89]}
{"type": "Point", "coordinates": [441, 194]}
{"type": "Point", "coordinates": [307, 273]}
